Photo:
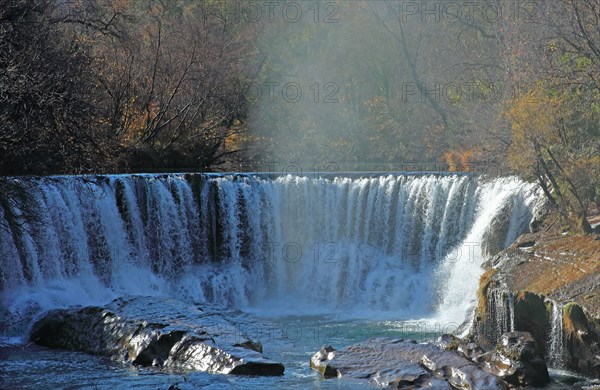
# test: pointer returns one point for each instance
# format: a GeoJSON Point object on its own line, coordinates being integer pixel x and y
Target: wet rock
{"type": "Point", "coordinates": [531, 315]}
{"type": "Point", "coordinates": [471, 350]}
{"type": "Point", "coordinates": [516, 360]}
{"type": "Point", "coordinates": [399, 363]}
{"type": "Point", "coordinates": [558, 269]}
{"type": "Point", "coordinates": [495, 234]}
{"type": "Point", "coordinates": [466, 348]}
{"type": "Point", "coordinates": [582, 333]}
{"type": "Point", "coordinates": [160, 332]}
{"type": "Point", "coordinates": [449, 342]}
{"type": "Point", "coordinates": [518, 346]}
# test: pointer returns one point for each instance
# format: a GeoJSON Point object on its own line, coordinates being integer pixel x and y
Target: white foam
{"type": "Point", "coordinates": [376, 247]}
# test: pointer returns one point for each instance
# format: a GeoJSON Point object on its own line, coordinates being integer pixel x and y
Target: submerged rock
{"type": "Point", "coordinates": [398, 363]}
{"type": "Point", "coordinates": [160, 332]}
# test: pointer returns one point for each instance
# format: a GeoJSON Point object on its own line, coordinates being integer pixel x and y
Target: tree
{"type": "Point", "coordinates": [117, 85]}
{"type": "Point", "coordinates": [44, 82]}
{"type": "Point", "coordinates": [173, 91]}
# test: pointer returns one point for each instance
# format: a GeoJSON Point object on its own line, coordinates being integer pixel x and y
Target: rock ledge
{"type": "Point", "coordinates": [159, 332]}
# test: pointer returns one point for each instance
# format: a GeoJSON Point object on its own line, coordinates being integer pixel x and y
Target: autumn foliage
{"type": "Point", "coordinates": [120, 86]}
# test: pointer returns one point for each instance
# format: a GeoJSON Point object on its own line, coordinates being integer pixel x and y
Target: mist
{"type": "Point", "coordinates": [376, 84]}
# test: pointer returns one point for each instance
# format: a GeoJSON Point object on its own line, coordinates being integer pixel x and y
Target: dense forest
{"type": "Point", "coordinates": [498, 86]}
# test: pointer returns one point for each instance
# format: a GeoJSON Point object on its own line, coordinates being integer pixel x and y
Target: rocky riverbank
{"type": "Point", "coordinates": [450, 363]}
{"type": "Point", "coordinates": [538, 307]}
{"type": "Point", "coordinates": [548, 285]}
{"type": "Point", "coordinates": [158, 332]}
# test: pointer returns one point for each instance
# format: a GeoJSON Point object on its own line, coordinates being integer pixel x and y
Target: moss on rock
{"type": "Point", "coordinates": [574, 318]}
{"type": "Point", "coordinates": [583, 340]}
{"type": "Point", "coordinates": [484, 283]}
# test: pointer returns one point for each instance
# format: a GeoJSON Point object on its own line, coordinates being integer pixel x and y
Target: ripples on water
{"type": "Point", "coordinates": [290, 340]}
{"type": "Point", "coordinates": [211, 239]}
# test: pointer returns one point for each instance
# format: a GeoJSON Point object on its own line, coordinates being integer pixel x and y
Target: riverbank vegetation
{"type": "Point", "coordinates": [123, 86]}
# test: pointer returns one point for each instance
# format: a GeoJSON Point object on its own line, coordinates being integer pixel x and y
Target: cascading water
{"type": "Point", "coordinates": [408, 246]}
{"type": "Point", "coordinates": [501, 307]}
{"type": "Point", "coordinates": [556, 342]}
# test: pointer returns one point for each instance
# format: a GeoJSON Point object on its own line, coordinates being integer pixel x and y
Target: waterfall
{"type": "Point", "coordinates": [556, 343]}
{"type": "Point", "coordinates": [407, 245]}
{"type": "Point", "coordinates": [501, 309]}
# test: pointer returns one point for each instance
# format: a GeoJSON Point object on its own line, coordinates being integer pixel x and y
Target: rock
{"type": "Point", "coordinates": [539, 216]}
{"type": "Point", "coordinates": [326, 353]}
{"type": "Point", "coordinates": [160, 332]}
{"type": "Point", "coordinates": [471, 350]}
{"type": "Point", "coordinates": [495, 234]}
{"type": "Point", "coordinates": [516, 360]}
{"type": "Point", "coordinates": [518, 346]}
{"type": "Point", "coordinates": [526, 244]}
{"type": "Point", "coordinates": [582, 340]}
{"type": "Point", "coordinates": [449, 342]}
{"type": "Point", "coordinates": [497, 305]}
{"type": "Point", "coordinates": [466, 348]}
{"type": "Point", "coordinates": [398, 363]}
{"type": "Point", "coordinates": [531, 315]}
{"type": "Point", "coordinates": [555, 270]}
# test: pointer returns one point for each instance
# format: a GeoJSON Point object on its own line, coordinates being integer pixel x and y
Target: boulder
{"type": "Point", "coordinates": [399, 363]}
{"type": "Point", "coordinates": [531, 315]}
{"type": "Point", "coordinates": [518, 346]}
{"type": "Point", "coordinates": [539, 271]}
{"type": "Point", "coordinates": [466, 348]}
{"type": "Point", "coordinates": [516, 360]}
{"type": "Point", "coordinates": [159, 332]}
{"type": "Point", "coordinates": [582, 333]}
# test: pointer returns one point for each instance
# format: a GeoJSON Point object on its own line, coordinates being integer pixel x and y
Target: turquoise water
{"type": "Point", "coordinates": [290, 340]}
{"type": "Point", "coordinates": [377, 247]}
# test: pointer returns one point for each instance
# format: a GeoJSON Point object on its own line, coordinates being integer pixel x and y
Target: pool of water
{"type": "Point", "coordinates": [291, 340]}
